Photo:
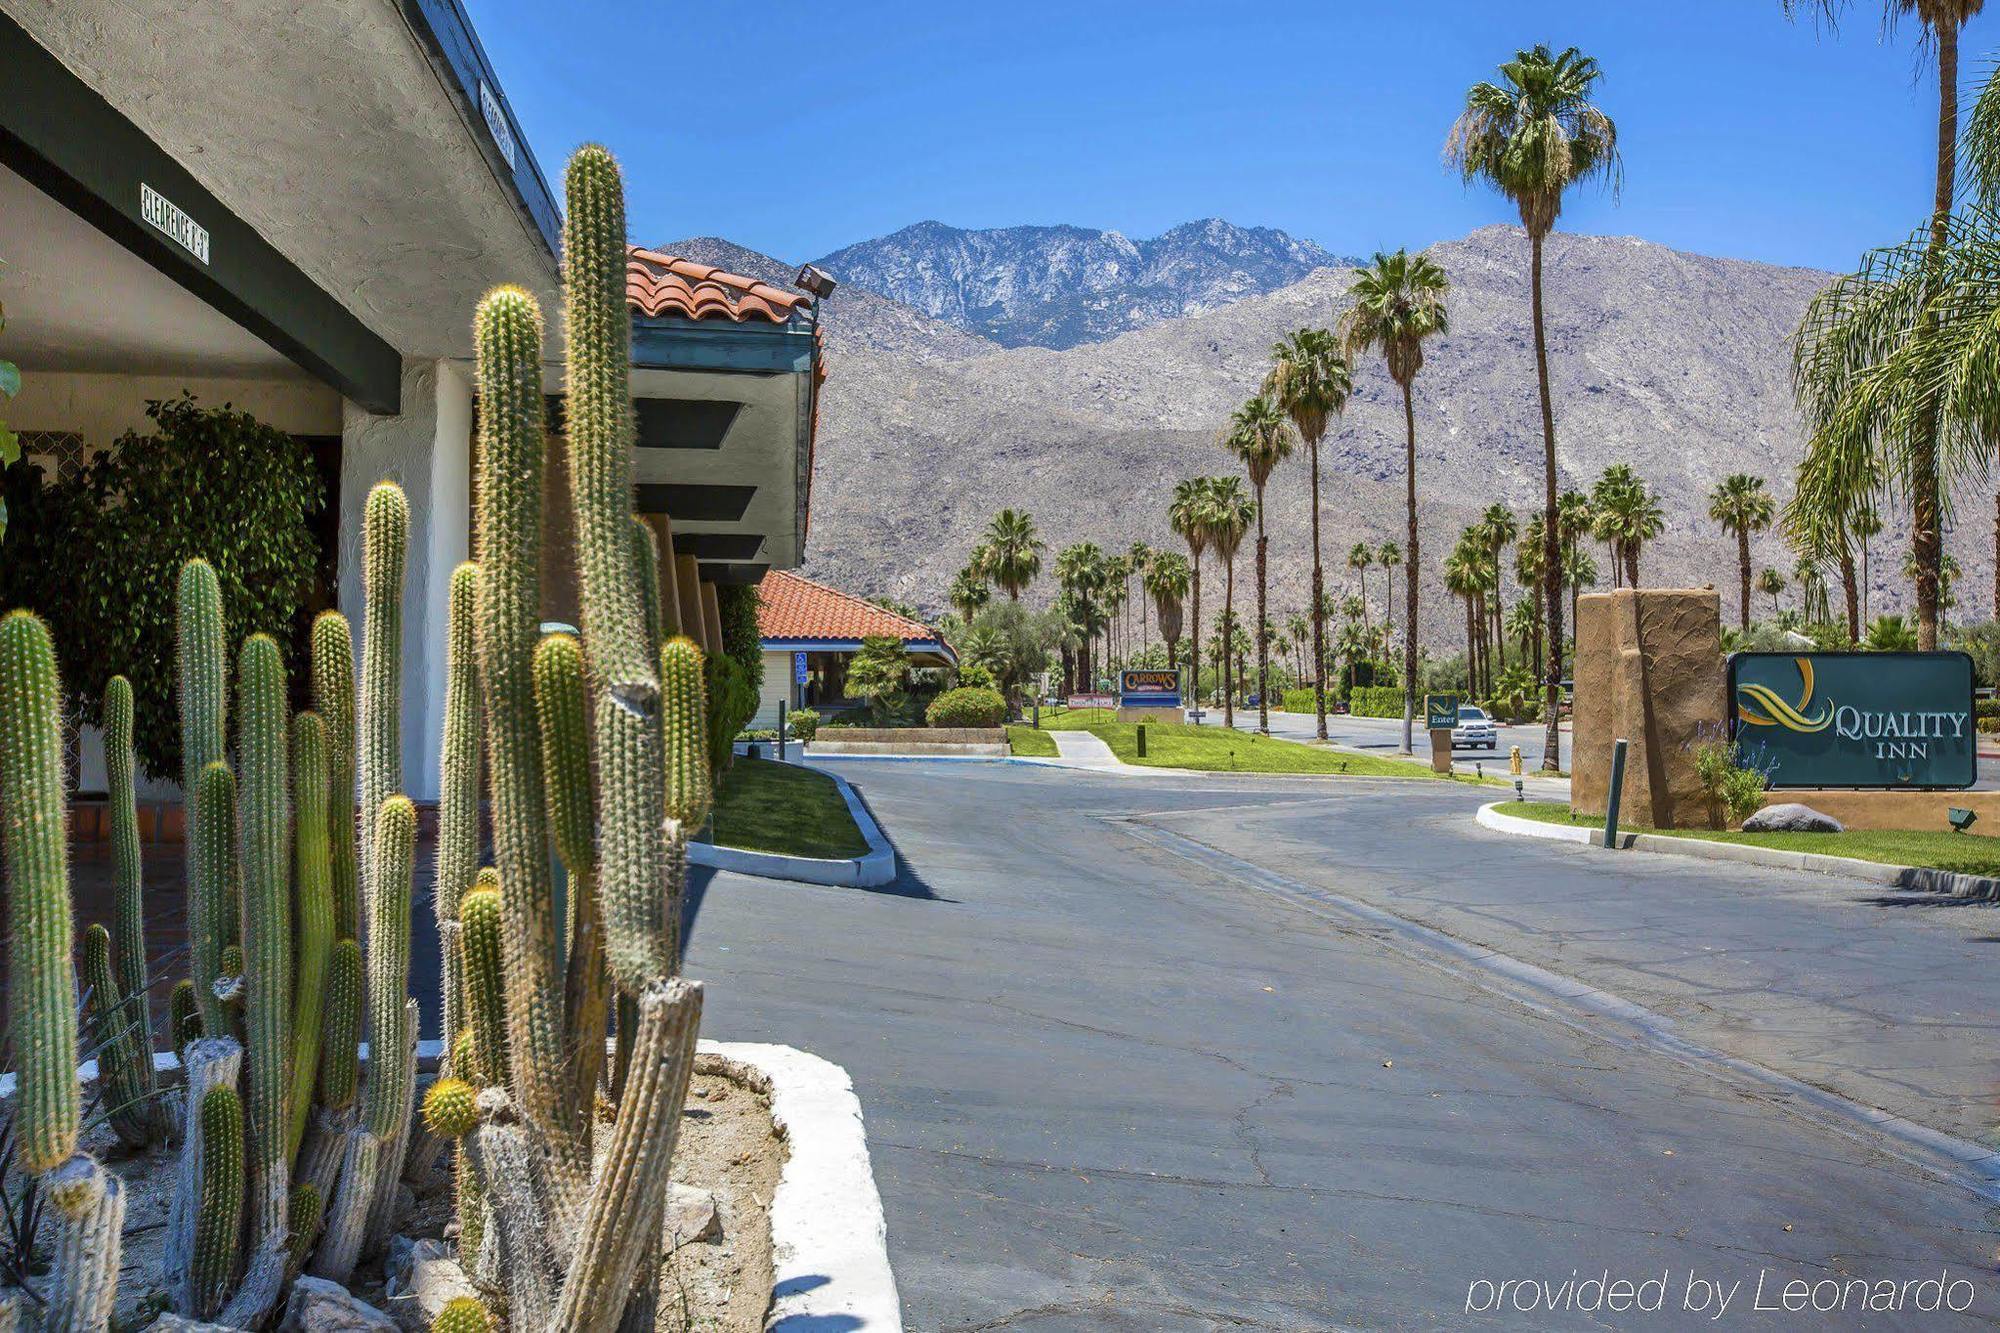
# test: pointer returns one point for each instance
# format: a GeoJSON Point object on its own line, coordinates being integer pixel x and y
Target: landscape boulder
{"type": "Point", "coordinates": [173, 1323]}
{"type": "Point", "coordinates": [691, 1216]}
{"type": "Point", "coordinates": [422, 1278]}
{"type": "Point", "coordinates": [319, 1306]}
{"type": "Point", "coordinates": [1791, 817]}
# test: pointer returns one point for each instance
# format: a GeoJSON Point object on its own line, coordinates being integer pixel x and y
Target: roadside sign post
{"type": "Point", "coordinates": [1617, 790]}
{"type": "Point", "coordinates": [1440, 716]}
{"type": "Point", "coordinates": [1141, 733]}
{"type": "Point", "coordinates": [781, 731]}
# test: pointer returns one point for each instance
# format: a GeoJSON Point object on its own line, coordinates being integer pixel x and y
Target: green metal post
{"type": "Point", "coordinates": [1617, 790]}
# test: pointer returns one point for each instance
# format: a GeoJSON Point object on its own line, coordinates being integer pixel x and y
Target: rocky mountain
{"type": "Point", "coordinates": [1065, 286]}
{"type": "Point", "coordinates": [1675, 363]}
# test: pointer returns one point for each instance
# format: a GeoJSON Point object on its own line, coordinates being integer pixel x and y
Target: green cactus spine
{"type": "Point", "coordinates": [219, 1216]}
{"type": "Point", "coordinates": [389, 964]}
{"type": "Point", "coordinates": [183, 1017]}
{"type": "Point", "coordinates": [563, 711]}
{"type": "Point", "coordinates": [458, 794]}
{"type": "Point", "coordinates": [202, 669]}
{"type": "Point", "coordinates": [302, 1216]}
{"type": "Point", "coordinates": [263, 746]}
{"type": "Point", "coordinates": [646, 560]}
{"type": "Point", "coordinates": [462, 1314]}
{"type": "Point", "coordinates": [333, 700]}
{"type": "Point", "coordinates": [42, 989]}
{"type": "Point", "coordinates": [211, 862]}
{"type": "Point", "coordinates": [684, 695]}
{"type": "Point", "coordinates": [113, 1033]}
{"type": "Point", "coordinates": [508, 333]}
{"type": "Point", "coordinates": [128, 919]}
{"type": "Point", "coordinates": [313, 887]}
{"type": "Point", "coordinates": [385, 547]}
{"type": "Point", "coordinates": [340, 1046]}
{"type": "Point", "coordinates": [631, 844]}
{"type": "Point", "coordinates": [480, 927]}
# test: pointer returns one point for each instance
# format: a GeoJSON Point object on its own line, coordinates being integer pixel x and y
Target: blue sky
{"type": "Point", "coordinates": [796, 127]}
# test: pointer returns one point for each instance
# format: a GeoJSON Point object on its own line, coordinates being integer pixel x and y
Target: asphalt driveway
{"type": "Point", "coordinates": [1112, 1085]}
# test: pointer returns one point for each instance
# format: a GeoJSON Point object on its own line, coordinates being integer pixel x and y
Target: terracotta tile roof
{"type": "Point", "coordinates": [791, 606]}
{"type": "Point", "coordinates": [661, 284]}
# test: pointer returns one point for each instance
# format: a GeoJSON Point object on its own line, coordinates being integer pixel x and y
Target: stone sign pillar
{"type": "Point", "coordinates": [1648, 668]}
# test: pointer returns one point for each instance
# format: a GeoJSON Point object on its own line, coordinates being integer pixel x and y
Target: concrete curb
{"type": "Point", "coordinates": [875, 867]}
{"type": "Point", "coordinates": [829, 1240]}
{"type": "Point", "coordinates": [1918, 879]}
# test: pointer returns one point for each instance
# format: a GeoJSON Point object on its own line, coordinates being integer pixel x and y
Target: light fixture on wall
{"type": "Point", "coordinates": [814, 280]}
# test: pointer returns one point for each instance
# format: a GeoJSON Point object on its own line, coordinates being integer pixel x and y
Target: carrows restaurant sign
{"type": "Point", "coordinates": [1855, 719]}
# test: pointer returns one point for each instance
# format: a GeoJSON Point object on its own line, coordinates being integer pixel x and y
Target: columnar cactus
{"type": "Point", "coordinates": [264, 747]}
{"type": "Point", "coordinates": [684, 693]}
{"type": "Point", "coordinates": [646, 559]}
{"type": "Point", "coordinates": [564, 712]}
{"type": "Point", "coordinates": [340, 1054]}
{"type": "Point", "coordinates": [202, 668]}
{"type": "Point", "coordinates": [212, 1063]}
{"type": "Point", "coordinates": [42, 980]}
{"type": "Point", "coordinates": [372, 1160]}
{"type": "Point", "coordinates": [302, 1216]}
{"type": "Point", "coordinates": [631, 846]}
{"type": "Point", "coordinates": [481, 930]}
{"type": "Point", "coordinates": [508, 332]}
{"type": "Point", "coordinates": [458, 793]}
{"type": "Point", "coordinates": [90, 1222]}
{"type": "Point", "coordinates": [114, 1035]}
{"type": "Point", "coordinates": [313, 891]}
{"type": "Point", "coordinates": [333, 700]}
{"type": "Point", "coordinates": [211, 858]}
{"type": "Point", "coordinates": [128, 923]}
{"type": "Point", "coordinates": [183, 1018]}
{"type": "Point", "coordinates": [385, 546]}
{"type": "Point", "coordinates": [219, 1216]}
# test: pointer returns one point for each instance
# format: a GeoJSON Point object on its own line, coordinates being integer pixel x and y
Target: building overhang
{"type": "Point", "coordinates": [936, 648]}
{"type": "Point", "coordinates": [341, 180]}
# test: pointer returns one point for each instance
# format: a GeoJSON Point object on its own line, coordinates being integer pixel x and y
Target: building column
{"type": "Point", "coordinates": [428, 452]}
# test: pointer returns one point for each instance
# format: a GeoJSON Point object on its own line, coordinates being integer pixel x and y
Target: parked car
{"type": "Point", "coordinates": [1475, 730]}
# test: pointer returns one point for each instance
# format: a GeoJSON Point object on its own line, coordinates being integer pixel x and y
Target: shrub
{"type": "Point", "coordinates": [804, 723]}
{"type": "Point", "coordinates": [880, 673]}
{"type": "Point", "coordinates": [1301, 701]}
{"type": "Point", "coordinates": [104, 557]}
{"type": "Point", "coordinates": [974, 676]}
{"type": "Point", "coordinates": [732, 701]}
{"type": "Point", "coordinates": [967, 706]}
{"type": "Point", "coordinates": [1373, 701]}
{"type": "Point", "coordinates": [1734, 789]}
{"type": "Point", "coordinates": [1516, 696]}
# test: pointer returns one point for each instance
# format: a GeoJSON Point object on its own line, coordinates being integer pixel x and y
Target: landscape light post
{"type": "Point", "coordinates": [1617, 790]}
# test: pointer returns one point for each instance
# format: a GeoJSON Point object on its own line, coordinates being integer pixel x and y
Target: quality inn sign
{"type": "Point", "coordinates": [1855, 719]}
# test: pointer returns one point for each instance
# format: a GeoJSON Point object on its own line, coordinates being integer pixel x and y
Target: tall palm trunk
{"type": "Point", "coordinates": [1574, 589]}
{"type": "Point", "coordinates": [1853, 595]}
{"type": "Point", "coordinates": [1228, 644]}
{"type": "Point", "coordinates": [1632, 564]}
{"type": "Point", "coordinates": [1410, 560]}
{"type": "Point", "coordinates": [1263, 638]}
{"type": "Point", "coordinates": [1499, 609]}
{"type": "Point", "coordinates": [1743, 573]}
{"type": "Point", "coordinates": [1996, 555]}
{"type": "Point", "coordinates": [1318, 607]}
{"type": "Point", "coordinates": [1926, 541]}
{"type": "Point", "coordinates": [1471, 652]}
{"type": "Point", "coordinates": [1551, 555]}
{"type": "Point", "coordinates": [1194, 642]}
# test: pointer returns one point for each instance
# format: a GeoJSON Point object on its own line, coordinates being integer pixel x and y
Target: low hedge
{"type": "Point", "coordinates": [1375, 701]}
{"type": "Point", "coordinates": [967, 706]}
{"type": "Point", "coordinates": [804, 723]}
{"type": "Point", "coordinates": [1301, 701]}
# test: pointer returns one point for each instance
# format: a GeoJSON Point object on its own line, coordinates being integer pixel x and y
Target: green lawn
{"type": "Point", "coordinates": [1034, 744]}
{"type": "Point", "coordinates": [765, 806]}
{"type": "Point", "coordinates": [1219, 749]}
{"type": "Point", "coordinates": [1964, 853]}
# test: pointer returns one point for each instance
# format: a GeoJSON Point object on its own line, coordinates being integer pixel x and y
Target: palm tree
{"type": "Point", "coordinates": [1811, 579]}
{"type": "Point", "coordinates": [1866, 525]}
{"type": "Point", "coordinates": [1231, 515]}
{"type": "Point", "coordinates": [1359, 557]}
{"type": "Point", "coordinates": [1260, 434]}
{"type": "Point", "coordinates": [1579, 571]}
{"type": "Point", "coordinates": [1499, 527]}
{"type": "Point", "coordinates": [1191, 515]}
{"type": "Point", "coordinates": [1166, 579]}
{"type": "Point", "coordinates": [1626, 515]}
{"type": "Point", "coordinates": [968, 593]}
{"type": "Point", "coordinates": [1298, 628]}
{"type": "Point", "coordinates": [1389, 555]}
{"type": "Point", "coordinates": [1528, 573]}
{"type": "Point", "coordinates": [1310, 380]}
{"type": "Point", "coordinates": [1399, 302]}
{"type": "Point", "coordinates": [1013, 552]}
{"type": "Point", "coordinates": [1742, 506]}
{"type": "Point", "coordinates": [1841, 335]}
{"type": "Point", "coordinates": [1080, 572]}
{"type": "Point", "coordinates": [1532, 136]}
{"type": "Point", "coordinates": [1771, 582]}
{"type": "Point", "coordinates": [1140, 557]}
{"type": "Point", "coordinates": [1461, 580]}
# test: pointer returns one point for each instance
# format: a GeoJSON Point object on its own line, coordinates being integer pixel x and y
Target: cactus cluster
{"type": "Point", "coordinates": [301, 849]}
